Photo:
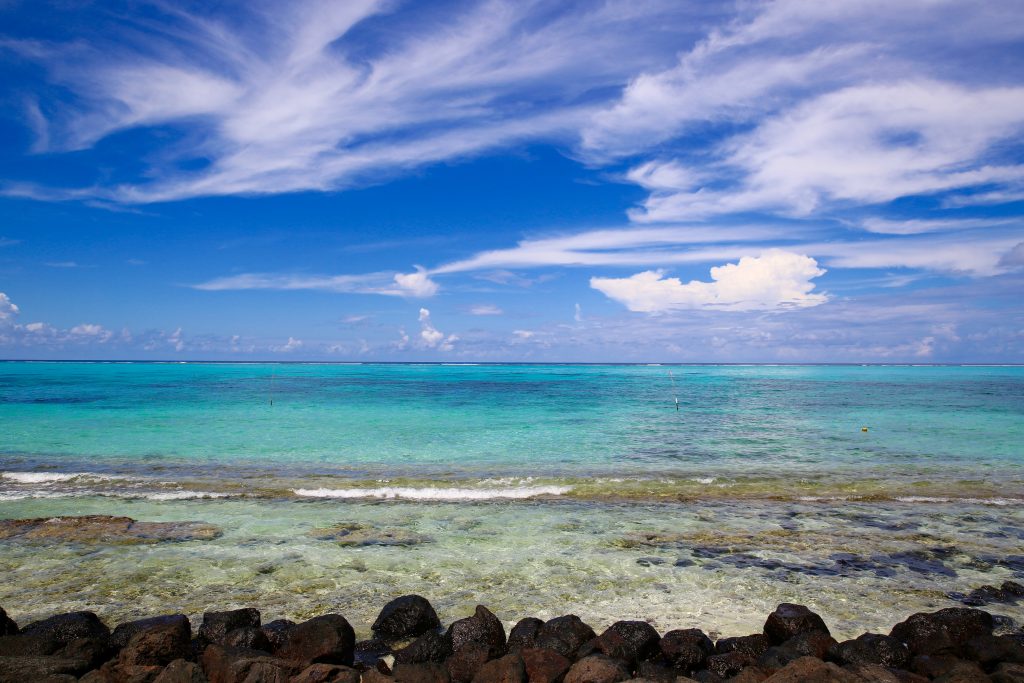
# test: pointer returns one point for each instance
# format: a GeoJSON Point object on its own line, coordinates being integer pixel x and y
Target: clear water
{"type": "Point", "coordinates": [533, 489]}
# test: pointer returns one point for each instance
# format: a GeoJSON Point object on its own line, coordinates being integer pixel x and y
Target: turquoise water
{"type": "Point", "coordinates": [534, 489]}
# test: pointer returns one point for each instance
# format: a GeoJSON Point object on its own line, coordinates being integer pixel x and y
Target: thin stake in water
{"type": "Point", "coordinates": [674, 394]}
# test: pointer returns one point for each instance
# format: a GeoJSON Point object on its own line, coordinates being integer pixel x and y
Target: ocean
{"type": "Point", "coordinates": [865, 492]}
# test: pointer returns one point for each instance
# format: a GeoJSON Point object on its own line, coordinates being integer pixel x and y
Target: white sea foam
{"type": "Point", "coordinates": [975, 501]}
{"type": "Point", "coordinates": [175, 495]}
{"type": "Point", "coordinates": [430, 493]}
{"type": "Point", "coordinates": [704, 480]}
{"type": "Point", "coordinates": [50, 477]}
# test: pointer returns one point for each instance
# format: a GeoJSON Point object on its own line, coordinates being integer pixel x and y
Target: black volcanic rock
{"type": "Point", "coordinates": [790, 620]}
{"type": "Point", "coordinates": [405, 617]}
{"type": "Point", "coordinates": [483, 628]}
{"type": "Point", "coordinates": [565, 635]}
{"type": "Point", "coordinates": [217, 625]}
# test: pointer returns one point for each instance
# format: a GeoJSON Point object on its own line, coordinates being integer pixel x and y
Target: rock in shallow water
{"type": "Point", "coordinates": [355, 534]}
{"type": "Point", "coordinates": [103, 529]}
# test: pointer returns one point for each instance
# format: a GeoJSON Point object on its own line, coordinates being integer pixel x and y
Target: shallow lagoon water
{"type": "Point", "coordinates": [535, 490]}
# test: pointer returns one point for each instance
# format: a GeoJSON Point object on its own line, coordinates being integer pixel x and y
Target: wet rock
{"type": "Point", "coordinates": [234, 665]}
{"type": "Point", "coordinates": [326, 673]}
{"type": "Point", "coordinates": [7, 625]}
{"type": "Point", "coordinates": [427, 672]}
{"type": "Point", "coordinates": [945, 631]}
{"type": "Point", "coordinates": [872, 648]}
{"type": "Point", "coordinates": [630, 641]}
{"type": "Point", "coordinates": [429, 647]}
{"type": "Point", "coordinates": [507, 669]}
{"type": "Point", "coordinates": [991, 650]}
{"type": "Point", "coordinates": [544, 665]}
{"type": "Point", "coordinates": [248, 637]}
{"type": "Point", "coordinates": [790, 620]}
{"type": "Point", "coordinates": [217, 625]}
{"type": "Point", "coordinates": [524, 634]}
{"type": "Point", "coordinates": [686, 649]}
{"type": "Point", "coordinates": [104, 529]}
{"type": "Point", "coordinates": [565, 635]}
{"type": "Point", "coordinates": [1009, 592]}
{"type": "Point", "coordinates": [405, 617]}
{"type": "Point", "coordinates": [483, 627]}
{"type": "Point", "coordinates": [181, 671]}
{"type": "Point", "coordinates": [355, 534]}
{"type": "Point", "coordinates": [597, 669]}
{"type": "Point", "coordinates": [753, 645]}
{"type": "Point", "coordinates": [63, 628]}
{"type": "Point", "coordinates": [276, 632]}
{"type": "Point", "coordinates": [728, 664]}
{"type": "Point", "coordinates": [158, 644]}
{"type": "Point", "coordinates": [778, 657]}
{"type": "Point", "coordinates": [123, 632]}
{"type": "Point", "coordinates": [464, 664]}
{"type": "Point", "coordinates": [327, 639]}
{"type": "Point", "coordinates": [1008, 673]}
{"type": "Point", "coordinates": [810, 644]}
{"type": "Point", "coordinates": [813, 670]}
{"type": "Point", "coordinates": [964, 672]}
{"type": "Point", "coordinates": [368, 652]}
{"type": "Point", "coordinates": [36, 668]}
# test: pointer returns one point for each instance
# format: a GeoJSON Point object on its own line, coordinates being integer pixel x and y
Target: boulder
{"type": "Point", "coordinates": [248, 637]}
{"type": "Point", "coordinates": [103, 529]}
{"type": "Point", "coordinates": [1008, 673]}
{"type": "Point", "coordinates": [630, 641]}
{"type": "Point", "coordinates": [524, 634]}
{"type": "Point", "coordinates": [790, 620]}
{"type": "Point", "coordinates": [276, 632]}
{"type": "Point", "coordinates": [686, 649]}
{"type": "Point", "coordinates": [483, 627]}
{"type": "Point", "coordinates": [728, 664]}
{"type": "Point", "coordinates": [369, 652]}
{"type": "Point", "coordinates": [463, 665]}
{"type": "Point", "coordinates": [405, 617]}
{"type": "Point", "coordinates": [35, 668]}
{"type": "Point", "coordinates": [63, 628]}
{"type": "Point", "coordinates": [544, 665]}
{"type": "Point", "coordinates": [426, 672]}
{"type": "Point", "coordinates": [945, 631]}
{"type": "Point", "coordinates": [875, 673]}
{"type": "Point", "coordinates": [507, 669]}
{"type": "Point", "coordinates": [872, 648]}
{"type": "Point", "coordinates": [813, 670]}
{"type": "Point", "coordinates": [235, 665]}
{"type": "Point", "coordinates": [327, 639]}
{"type": "Point", "coordinates": [991, 650]}
{"type": "Point", "coordinates": [597, 669]}
{"type": "Point", "coordinates": [565, 635]}
{"type": "Point", "coordinates": [326, 673]}
{"type": "Point", "coordinates": [123, 632]}
{"type": "Point", "coordinates": [158, 644]}
{"type": "Point", "coordinates": [429, 647]}
{"type": "Point", "coordinates": [753, 646]}
{"type": "Point", "coordinates": [7, 625]}
{"type": "Point", "coordinates": [217, 625]}
{"type": "Point", "coordinates": [932, 666]}
{"type": "Point", "coordinates": [181, 671]}
{"type": "Point", "coordinates": [810, 644]}
{"type": "Point", "coordinates": [964, 672]}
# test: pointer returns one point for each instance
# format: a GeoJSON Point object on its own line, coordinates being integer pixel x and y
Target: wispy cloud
{"type": "Point", "coordinates": [414, 284]}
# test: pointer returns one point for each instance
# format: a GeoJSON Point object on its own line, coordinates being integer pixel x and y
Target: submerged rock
{"type": "Point", "coordinates": [103, 529]}
{"type": "Point", "coordinates": [355, 534]}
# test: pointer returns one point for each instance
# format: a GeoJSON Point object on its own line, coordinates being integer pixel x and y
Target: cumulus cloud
{"type": "Point", "coordinates": [8, 309]}
{"type": "Point", "coordinates": [433, 338]}
{"type": "Point", "coordinates": [775, 280]}
{"type": "Point", "coordinates": [289, 346]}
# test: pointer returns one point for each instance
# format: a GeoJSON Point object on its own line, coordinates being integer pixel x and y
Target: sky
{"type": "Point", "coordinates": [521, 180]}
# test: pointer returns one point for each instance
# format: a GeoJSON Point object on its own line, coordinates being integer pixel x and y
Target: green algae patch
{"type": "Point", "coordinates": [104, 529]}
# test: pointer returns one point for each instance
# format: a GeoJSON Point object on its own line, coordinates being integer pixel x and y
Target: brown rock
{"type": "Point", "coordinates": [234, 665]}
{"type": "Point", "coordinates": [507, 669]}
{"type": "Point", "coordinates": [524, 634]}
{"type": "Point", "coordinates": [964, 672]}
{"type": "Point", "coordinates": [326, 673]}
{"type": "Point", "coordinates": [31, 669]}
{"type": "Point", "coordinates": [1008, 673]}
{"type": "Point", "coordinates": [872, 648]}
{"type": "Point", "coordinates": [790, 620]}
{"type": "Point", "coordinates": [991, 650]}
{"type": "Point", "coordinates": [248, 637]}
{"type": "Point", "coordinates": [426, 672]}
{"type": "Point", "coordinates": [325, 639]}
{"type": "Point", "coordinates": [686, 649]}
{"type": "Point", "coordinates": [942, 632]}
{"type": "Point", "coordinates": [597, 669]}
{"type": "Point", "coordinates": [753, 646]}
{"type": "Point", "coordinates": [374, 676]}
{"type": "Point", "coordinates": [565, 635]}
{"type": "Point", "coordinates": [217, 625]}
{"type": "Point", "coordinates": [124, 632]}
{"type": "Point", "coordinates": [728, 664]}
{"type": "Point", "coordinates": [180, 671]}
{"type": "Point", "coordinates": [630, 641]}
{"type": "Point", "coordinates": [430, 647]}
{"type": "Point", "coordinates": [752, 674]}
{"type": "Point", "coordinates": [463, 665]}
{"type": "Point", "coordinates": [406, 617]}
{"type": "Point", "coordinates": [544, 665]}
{"type": "Point", "coordinates": [813, 670]}
{"type": "Point", "coordinates": [276, 632]}
{"type": "Point", "coordinates": [483, 628]}
{"type": "Point", "coordinates": [158, 645]}
{"type": "Point", "coordinates": [103, 529]}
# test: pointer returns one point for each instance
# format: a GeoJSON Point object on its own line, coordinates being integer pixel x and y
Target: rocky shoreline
{"type": "Point", "coordinates": [410, 645]}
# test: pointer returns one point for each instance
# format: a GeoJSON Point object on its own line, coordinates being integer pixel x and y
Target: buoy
{"type": "Point", "coordinates": [863, 429]}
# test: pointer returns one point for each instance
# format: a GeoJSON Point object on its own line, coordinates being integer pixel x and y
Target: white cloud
{"type": "Point", "coordinates": [91, 331]}
{"type": "Point", "coordinates": [917, 226]}
{"type": "Point", "coordinates": [485, 309]}
{"type": "Point", "coordinates": [578, 314]}
{"type": "Point", "coordinates": [289, 346]}
{"type": "Point", "coordinates": [523, 335]}
{"type": "Point", "coordinates": [8, 309]}
{"type": "Point", "coordinates": [775, 280]}
{"type": "Point", "coordinates": [416, 284]}
{"type": "Point", "coordinates": [431, 337]}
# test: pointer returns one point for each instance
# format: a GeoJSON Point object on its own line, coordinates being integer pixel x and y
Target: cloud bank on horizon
{"type": "Point", "coordinates": [798, 180]}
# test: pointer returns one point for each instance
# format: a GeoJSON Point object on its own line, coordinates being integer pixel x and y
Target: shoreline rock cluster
{"type": "Point", "coordinates": [410, 645]}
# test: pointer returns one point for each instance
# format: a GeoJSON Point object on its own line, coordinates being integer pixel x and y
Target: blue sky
{"type": "Point", "coordinates": [485, 181]}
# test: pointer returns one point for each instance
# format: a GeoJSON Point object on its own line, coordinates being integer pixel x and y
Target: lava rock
{"type": "Point", "coordinates": [405, 617]}
{"type": "Point", "coordinates": [992, 650]}
{"type": "Point", "coordinates": [790, 620]}
{"type": "Point", "coordinates": [872, 648]}
{"type": "Point", "coordinates": [483, 627]}
{"type": "Point", "coordinates": [753, 646]}
{"type": "Point", "coordinates": [217, 625]}
{"type": "Point", "coordinates": [597, 669]}
{"type": "Point", "coordinates": [507, 669]}
{"type": "Point", "coordinates": [686, 649]}
{"type": "Point", "coordinates": [544, 665]}
{"type": "Point", "coordinates": [657, 672]}
{"type": "Point", "coordinates": [565, 635]}
{"type": "Point", "coordinates": [464, 664]}
{"type": "Point", "coordinates": [945, 631]}
{"type": "Point", "coordinates": [932, 666]}
{"type": "Point", "coordinates": [249, 638]}
{"type": "Point", "coordinates": [31, 669]}
{"type": "Point", "coordinates": [63, 628]}
{"type": "Point", "coordinates": [729, 664]}
{"type": "Point", "coordinates": [181, 671]}
{"type": "Point", "coordinates": [123, 632]}
{"type": "Point", "coordinates": [235, 665]}
{"type": "Point", "coordinates": [326, 673]}
{"type": "Point", "coordinates": [430, 647]}
{"type": "Point", "coordinates": [427, 672]}
{"type": "Point", "coordinates": [810, 644]}
{"type": "Point", "coordinates": [964, 672]}
{"type": "Point", "coordinates": [524, 634]}
{"type": "Point", "coordinates": [327, 639]}
{"type": "Point", "coordinates": [630, 641]}
{"type": "Point", "coordinates": [813, 670]}
{"type": "Point", "coordinates": [277, 632]}
{"type": "Point", "coordinates": [1008, 673]}
{"type": "Point", "coordinates": [7, 625]}
{"type": "Point", "coordinates": [158, 644]}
